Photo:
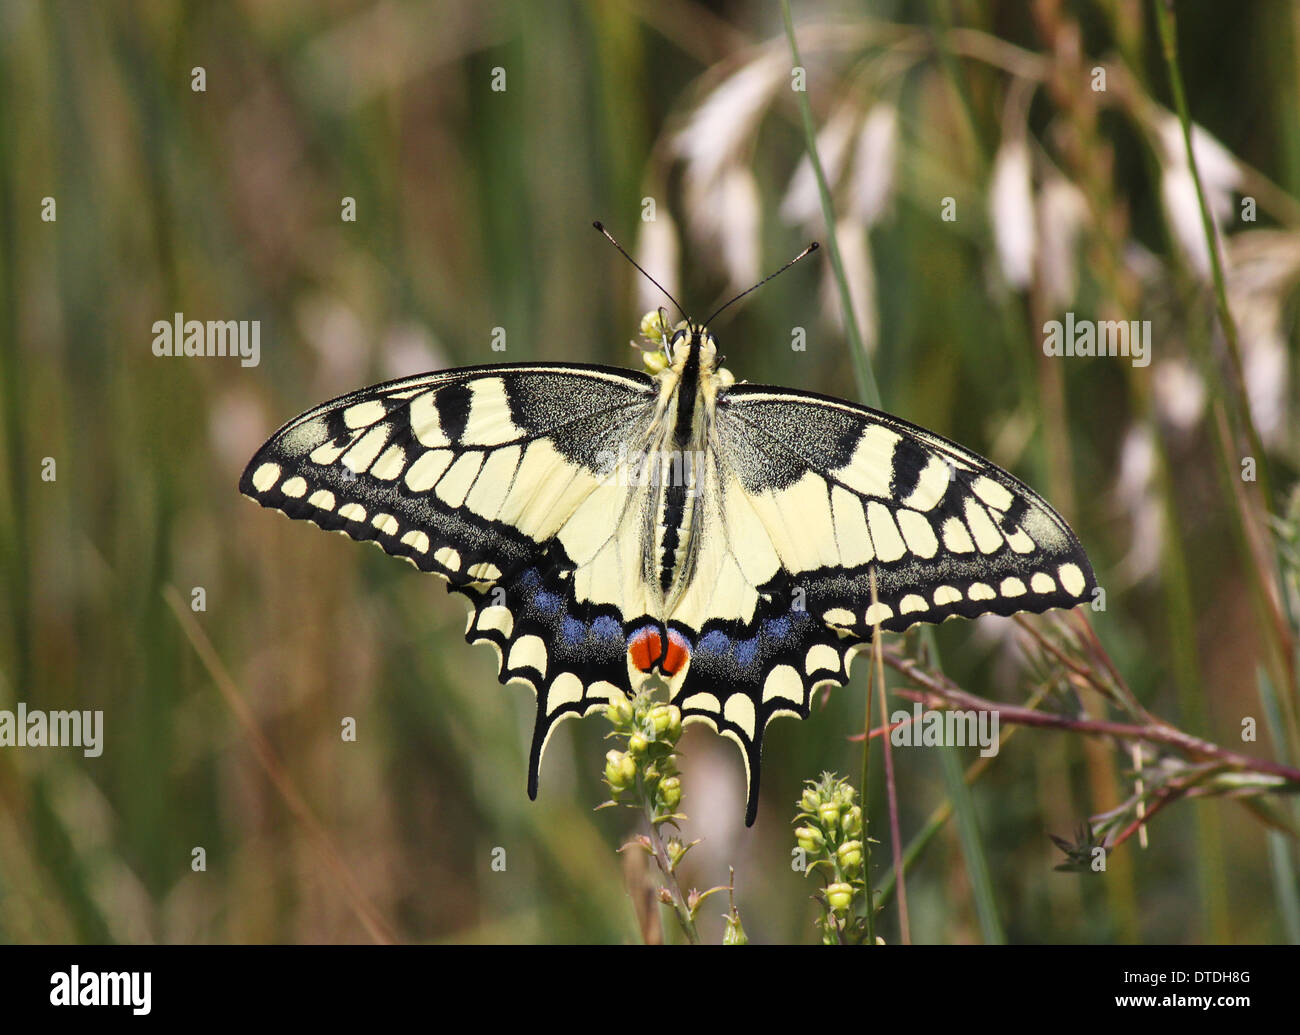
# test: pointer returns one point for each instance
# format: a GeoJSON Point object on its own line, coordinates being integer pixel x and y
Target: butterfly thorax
{"type": "Point", "coordinates": [678, 455]}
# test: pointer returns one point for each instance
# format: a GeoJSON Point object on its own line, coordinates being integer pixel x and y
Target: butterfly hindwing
{"type": "Point", "coordinates": [495, 479]}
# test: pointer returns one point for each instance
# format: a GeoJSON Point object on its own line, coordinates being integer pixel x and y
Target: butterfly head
{"type": "Point", "coordinates": [672, 349]}
{"type": "Point", "coordinates": [693, 337]}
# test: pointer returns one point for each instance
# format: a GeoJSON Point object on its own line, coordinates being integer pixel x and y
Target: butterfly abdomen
{"type": "Point", "coordinates": [677, 470]}
{"type": "Point", "coordinates": [672, 530]}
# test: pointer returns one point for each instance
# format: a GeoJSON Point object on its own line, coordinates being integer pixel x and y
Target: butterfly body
{"type": "Point", "coordinates": [739, 542]}
{"type": "Point", "coordinates": [677, 450]}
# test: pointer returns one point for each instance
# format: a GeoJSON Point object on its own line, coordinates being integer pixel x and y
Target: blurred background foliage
{"type": "Point", "coordinates": [473, 212]}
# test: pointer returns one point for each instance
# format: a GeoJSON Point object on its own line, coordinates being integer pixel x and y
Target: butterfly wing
{"type": "Point", "coordinates": [808, 497]}
{"type": "Point", "coordinates": [498, 479]}
{"type": "Point", "coordinates": [513, 484]}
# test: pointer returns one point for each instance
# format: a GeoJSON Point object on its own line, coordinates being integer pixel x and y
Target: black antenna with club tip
{"type": "Point", "coordinates": [601, 227]}
{"type": "Point", "coordinates": [811, 248]}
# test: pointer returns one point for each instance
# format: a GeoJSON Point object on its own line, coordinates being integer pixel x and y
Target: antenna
{"type": "Point", "coordinates": [601, 227]}
{"type": "Point", "coordinates": [811, 248]}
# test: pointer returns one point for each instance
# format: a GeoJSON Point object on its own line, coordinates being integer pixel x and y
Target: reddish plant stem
{"type": "Point", "coordinates": [949, 694]}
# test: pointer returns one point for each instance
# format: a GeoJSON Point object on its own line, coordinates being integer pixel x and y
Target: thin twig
{"type": "Point", "coordinates": [895, 837]}
{"type": "Point", "coordinates": [866, 775]}
{"type": "Point", "coordinates": [942, 812]}
{"type": "Point", "coordinates": [951, 695]}
{"type": "Point", "coordinates": [665, 865]}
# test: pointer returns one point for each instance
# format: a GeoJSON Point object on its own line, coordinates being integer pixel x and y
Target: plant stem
{"type": "Point", "coordinates": [861, 365]}
{"type": "Point", "coordinates": [869, 392]}
{"type": "Point", "coordinates": [951, 695]}
{"type": "Point", "coordinates": [891, 794]}
{"type": "Point", "coordinates": [666, 868]}
{"type": "Point", "coordinates": [366, 913]}
{"type": "Point", "coordinates": [942, 813]}
{"type": "Point", "coordinates": [1169, 39]}
{"type": "Point", "coordinates": [864, 797]}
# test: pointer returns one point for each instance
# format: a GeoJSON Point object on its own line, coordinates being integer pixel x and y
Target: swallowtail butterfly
{"type": "Point", "coordinates": [609, 526]}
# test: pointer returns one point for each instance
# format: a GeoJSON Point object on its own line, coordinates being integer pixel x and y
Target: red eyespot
{"type": "Point", "coordinates": [677, 654]}
{"type": "Point", "coordinates": [645, 648]}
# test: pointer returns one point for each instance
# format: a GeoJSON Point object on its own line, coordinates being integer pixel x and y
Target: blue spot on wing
{"type": "Point", "coordinates": [716, 642]}
{"type": "Point", "coordinates": [746, 651]}
{"type": "Point", "coordinates": [546, 601]}
{"type": "Point", "coordinates": [776, 628]}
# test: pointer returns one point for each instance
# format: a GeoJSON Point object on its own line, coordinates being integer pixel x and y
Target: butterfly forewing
{"type": "Point", "coordinates": [845, 490]}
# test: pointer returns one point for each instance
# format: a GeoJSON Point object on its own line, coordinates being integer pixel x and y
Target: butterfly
{"type": "Point", "coordinates": [738, 542]}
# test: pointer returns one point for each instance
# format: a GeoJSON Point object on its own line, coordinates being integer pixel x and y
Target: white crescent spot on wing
{"type": "Point", "coordinates": [422, 475]}
{"type": "Point", "coordinates": [872, 467]}
{"type": "Point", "coordinates": [425, 422]}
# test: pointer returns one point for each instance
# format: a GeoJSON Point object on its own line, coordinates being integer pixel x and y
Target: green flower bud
{"type": "Point", "coordinates": [829, 814]}
{"type": "Point", "coordinates": [810, 799]}
{"type": "Point", "coordinates": [619, 711]}
{"type": "Point", "coordinates": [620, 770]}
{"type": "Point", "coordinates": [849, 855]}
{"type": "Point", "coordinates": [651, 775]}
{"type": "Point", "coordinates": [675, 850]}
{"type": "Point", "coordinates": [660, 719]}
{"type": "Point", "coordinates": [674, 719]}
{"type": "Point", "coordinates": [839, 897]}
{"type": "Point", "coordinates": [670, 791]}
{"type": "Point", "coordinates": [655, 362]}
{"type": "Point", "coordinates": [810, 839]}
{"type": "Point", "coordinates": [637, 744]}
{"type": "Point", "coordinates": [652, 326]}
{"type": "Point", "coordinates": [852, 821]}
